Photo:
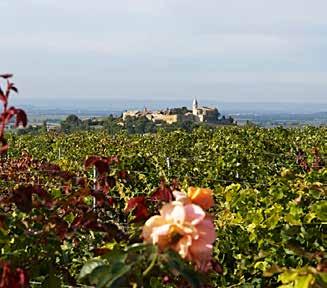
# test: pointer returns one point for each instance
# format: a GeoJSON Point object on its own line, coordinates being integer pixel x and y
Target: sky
{"type": "Point", "coordinates": [100, 52]}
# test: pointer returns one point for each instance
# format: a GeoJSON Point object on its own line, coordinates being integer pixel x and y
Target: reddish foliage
{"type": "Point", "coordinates": [102, 164]}
{"type": "Point", "coordinates": [51, 211]}
{"type": "Point", "coordinates": [100, 251]}
{"type": "Point", "coordinates": [137, 205]}
{"type": "Point", "coordinates": [301, 160]}
{"type": "Point", "coordinates": [102, 199]}
{"type": "Point", "coordinates": [22, 197]}
{"type": "Point", "coordinates": [111, 201]}
{"type": "Point", "coordinates": [104, 182]}
{"type": "Point", "coordinates": [174, 185]}
{"type": "Point", "coordinates": [61, 215]}
{"type": "Point", "coordinates": [322, 267]}
{"type": "Point", "coordinates": [8, 113]}
{"type": "Point", "coordinates": [2, 221]}
{"type": "Point", "coordinates": [317, 160]}
{"type": "Point", "coordinates": [13, 278]}
{"type": "Point", "coordinates": [6, 75]}
{"type": "Point", "coordinates": [163, 193]}
{"type": "Point", "coordinates": [216, 266]}
{"type": "Point", "coordinates": [21, 117]}
{"type": "Point", "coordinates": [123, 174]}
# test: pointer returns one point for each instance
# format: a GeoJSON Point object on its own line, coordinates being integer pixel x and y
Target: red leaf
{"type": "Point", "coordinates": [61, 227]}
{"type": "Point", "coordinates": [216, 266]}
{"type": "Point", "coordinates": [112, 159]}
{"type": "Point", "coordinates": [22, 278]}
{"type": "Point", "coordinates": [9, 114]}
{"type": "Point", "coordinates": [89, 162]}
{"type": "Point", "coordinates": [163, 193]}
{"type": "Point", "coordinates": [141, 213]}
{"type": "Point", "coordinates": [101, 166]}
{"type": "Point", "coordinates": [12, 278]}
{"type": "Point", "coordinates": [122, 174]}
{"type": "Point", "coordinates": [21, 118]}
{"type": "Point", "coordinates": [134, 202]}
{"type": "Point", "coordinates": [111, 201]}
{"type": "Point", "coordinates": [6, 75]}
{"type": "Point", "coordinates": [100, 163]}
{"type": "Point", "coordinates": [13, 88]}
{"type": "Point", "coordinates": [138, 206]}
{"type": "Point", "coordinates": [3, 98]}
{"type": "Point", "coordinates": [22, 197]}
{"type": "Point", "coordinates": [99, 197]}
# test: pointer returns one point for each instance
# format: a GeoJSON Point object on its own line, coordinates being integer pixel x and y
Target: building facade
{"type": "Point", "coordinates": [205, 114]}
{"type": "Point", "coordinates": [197, 114]}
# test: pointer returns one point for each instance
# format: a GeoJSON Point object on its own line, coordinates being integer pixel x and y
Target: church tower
{"type": "Point", "coordinates": [195, 107]}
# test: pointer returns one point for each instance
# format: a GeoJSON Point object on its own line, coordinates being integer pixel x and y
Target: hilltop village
{"type": "Point", "coordinates": [137, 121]}
{"type": "Point", "coordinates": [198, 114]}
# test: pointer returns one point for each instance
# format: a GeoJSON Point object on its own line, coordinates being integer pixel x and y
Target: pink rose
{"type": "Point", "coordinates": [185, 228]}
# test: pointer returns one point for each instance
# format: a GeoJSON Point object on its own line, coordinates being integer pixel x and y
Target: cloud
{"type": "Point", "coordinates": [146, 47]}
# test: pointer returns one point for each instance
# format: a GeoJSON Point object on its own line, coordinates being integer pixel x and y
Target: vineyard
{"type": "Point", "coordinates": [78, 210]}
{"type": "Point", "coordinates": [270, 199]}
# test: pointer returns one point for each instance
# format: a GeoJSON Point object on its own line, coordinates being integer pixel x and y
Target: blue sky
{"type": "Point", "coordinates": [125, 51]}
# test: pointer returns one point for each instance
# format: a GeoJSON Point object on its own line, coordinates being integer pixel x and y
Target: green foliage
{"type": "Point", "coordinates": [138, 265]}
{"type": "Point", "coordinates": [270, 213]}
{"type": "Point", "coordinates": [305, 277]}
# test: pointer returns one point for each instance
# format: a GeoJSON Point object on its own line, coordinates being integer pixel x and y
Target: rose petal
{"type": "Point", "coordinates": [183, 245]}
{"type": "Point", "coordinates": [194, 214]}
{"type": "Point", "coordinates": [173, 212]}
{"type": "Point", "coordinates": [181, 197]}
{"type": "Point", "coordinates": [150, 224]}
{"type": "Point", "coordinates": [201, 253]}
{"type": "Point", "coordinates": [206, 230]}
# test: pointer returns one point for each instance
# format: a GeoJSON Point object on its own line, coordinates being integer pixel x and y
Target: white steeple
{"type": "Point", "coordinates": [195, 107]}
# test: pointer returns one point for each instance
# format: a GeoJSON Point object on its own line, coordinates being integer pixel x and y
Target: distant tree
{"type": "Point", "coordinates": [250, 124]}
{"type": "Point", "coordinates": [129, 125]}
{"type": "Point", "coordinates": [73, 119]}
{"type": "Point", "coordinates": [188, 125]}
{"type": "Point", "coordinates": [139, 125]}
{"type": "Point", "coordinates": [72, 123]}
{"type": "Point", "coordinates": [44, 126]}
{"type": "Point", "coordinates": [230, 119]}
{"type": "Point", "coordinates": [111, 125]}
{"type": "Point", "coordinates": [33, 130]}
{"type": "Point", "coordinates": [150, 127]}
{"type": "Point", "coordinates": [143, 125]}
{"type": "Point", "coordinates": [225, 120]}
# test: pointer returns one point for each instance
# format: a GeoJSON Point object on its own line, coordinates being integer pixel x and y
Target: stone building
{"type": "Point", "coordinates": [135, 114]}
{"type": "Point", "coordinates": [205, 114]}
{"type": "Point", "coordinates": [197, 114]}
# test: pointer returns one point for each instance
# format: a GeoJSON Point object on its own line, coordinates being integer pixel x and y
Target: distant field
{"type": "Point", "coordinates": [283, 119]}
